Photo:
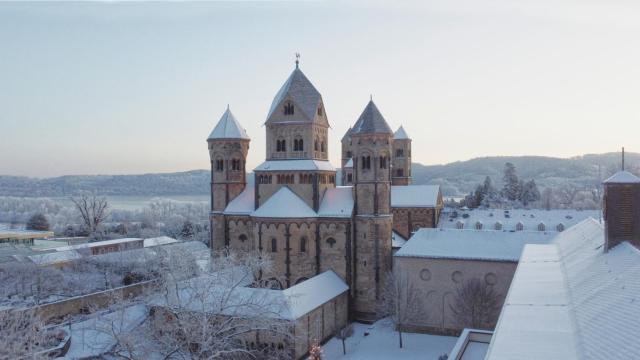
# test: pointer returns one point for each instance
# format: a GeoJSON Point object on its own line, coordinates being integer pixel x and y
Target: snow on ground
{"type": "Point", "coordinates": [382, 343]}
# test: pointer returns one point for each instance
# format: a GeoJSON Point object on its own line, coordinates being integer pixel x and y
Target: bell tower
{"type": "Point", "coordinates": [228, 148]}
{"type": "Point", "coordinates": [401, 174]}
{"type": "Point", "coordinates": [371, 145]}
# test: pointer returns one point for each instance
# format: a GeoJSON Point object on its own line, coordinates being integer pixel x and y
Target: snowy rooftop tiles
{"type": "Point", "coordinates": [622, 177]}
{"type": "Point", "coordinates": [228, 128]}
{"type": "Point", "coordinates": [337, 202]}
{"type": "Point", "coordinates": [284, 204]}
{"type": "Point", "coordinates": [298, 89]}
{"type": "Point", "coordinates": [295, 165]}
{"type": "Point", "coordinates": [243, 204]}
{"type": "Point", "coordinates": [571, 300]}
{"type": "Point", "coordinates": [414, 196]}
{"type": "Point", "coordinates": [471, 244]}
{"type": "Point", "coordinates": [400, 134]}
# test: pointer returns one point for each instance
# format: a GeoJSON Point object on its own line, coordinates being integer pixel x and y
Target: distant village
{"type": "Point", "coordinates": [305, 261]}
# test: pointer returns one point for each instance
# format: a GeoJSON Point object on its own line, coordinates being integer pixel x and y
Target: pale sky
{"type": "Point", "coordinates": [123, 88]}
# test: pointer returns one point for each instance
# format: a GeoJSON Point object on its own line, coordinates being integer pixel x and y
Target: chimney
{"type": "Point", "coordinates": [621, 209]}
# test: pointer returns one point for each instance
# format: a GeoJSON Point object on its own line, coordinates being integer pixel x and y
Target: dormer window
{"type": "Point", "coordinates": [288, 108]}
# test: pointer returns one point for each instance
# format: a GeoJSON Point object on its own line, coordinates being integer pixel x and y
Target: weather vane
{"type": "Point", "coordinates": [297, 59]}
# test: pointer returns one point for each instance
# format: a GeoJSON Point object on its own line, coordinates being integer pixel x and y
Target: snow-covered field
{"type": "Point", "coordinates": [382, 343]}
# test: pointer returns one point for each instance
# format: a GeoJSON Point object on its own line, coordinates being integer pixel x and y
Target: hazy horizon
{"type": "Point", "coordinates": [134, 88]}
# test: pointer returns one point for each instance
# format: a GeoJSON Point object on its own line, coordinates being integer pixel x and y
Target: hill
{"type": "Point", "coordinates": [457, 178]}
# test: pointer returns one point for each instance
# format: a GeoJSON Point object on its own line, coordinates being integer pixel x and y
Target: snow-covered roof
{"type": "Point", "coordinates": [572, 300]}
{"type": "Point", "coordinates": [284, 204]}
{"type": "Point", "coordinates": [337, 202]}
{"type": "Point", "coordinates": [622, 177]}
{"type": "Point", "coordinates": [295, 165]}
{"type": "Point", "coordinates": [371, 121]}
{"type": "Point", "coordinates": [311, 294]}
{"type": "Point", "coordinates": [400, 134]}
{"type": "Point", "coordinates": [228, 128]}
{"type": "Point", "coordinates": [471, 244]}
{"type": "Point", "coordinates": [349, 163]}
{"type": "Point", "coordinates": [98, 243]}
{"type": "Point", "coordinates": [55, 257]}
{"type": "Point", "coordinates": [397, 241]}
{"type": "Point", "coordinates": [158, 241]}
{"type": "Point", "coordinates": [243, 204]}
{"type": "Point", "coordinates": [510, 218]}
{"type": "Point", "coordinates": [301, 92]}
{"type": "Point", "coordinates": [414, 196]}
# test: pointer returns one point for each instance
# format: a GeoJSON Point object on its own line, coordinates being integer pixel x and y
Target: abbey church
{"type": "Point", "coordinates": [294, 209]}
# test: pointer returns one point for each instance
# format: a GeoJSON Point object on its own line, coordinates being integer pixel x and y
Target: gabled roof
{"type": "Point", "coordinates": [622, 177]}
{"type": "Point", "coordinates": [397, 241]}
{"type": "Point", "coordinates": [301, 92]}
{"type": "Point", "coordinates": [243, 204]}
{"type": "Point", "coordinates": [349, 163]}
{"type": "Point", "coordinates": [371, 121]}
{"type": "Point", "coordinates": [401, 134]}
{"type": "Point", "coordinates": [311, 294]}
{"type": "Point", "coordinates": [337, 202]}
{"type": "Point", "coordinates": [415, 196]}
{"type": "Point", "coordinates": [284, 204]}
{"type": "Point", "coordinates": [289, 165]}
{"type": "Point", "coordinates": [228, 128]}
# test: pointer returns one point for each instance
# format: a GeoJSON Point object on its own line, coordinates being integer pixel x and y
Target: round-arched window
{"type": "Point", "coordinates": [456, 277]}
{"type": "Point", "coordinates": [242, 237]}
{"type": "Point", "coordinates": [425, 274]}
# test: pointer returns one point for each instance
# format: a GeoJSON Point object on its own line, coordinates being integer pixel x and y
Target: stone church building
{"type": "Point", "coordinates": [295, 211]}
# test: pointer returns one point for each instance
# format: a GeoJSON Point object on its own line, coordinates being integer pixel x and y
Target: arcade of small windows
{"type": "Point", "coordinates": [366, 162]}
{"type": "Point", "coordinates": [264, 179]}
{"type": "Point", "coordinates": [288, 109]}
{"type": "Point", "coordinates": [399, 153]}
{"type": "Point", "coordinates": [281, 145]}
{"type": "Point", "coordinates": [219, 165]}
{"type": "Point", "coordinates": [235, 165]}
{"type": "Point", "coordinates": [327, 179]}
{"type": "Point", "coordinates": [305, 178]}
{"type": "Point", "coordinates": [383, 162]}
{"type": "Point", "coordinates": [285, 179]}
{"type": "Point", "coordinates": [298, 145]}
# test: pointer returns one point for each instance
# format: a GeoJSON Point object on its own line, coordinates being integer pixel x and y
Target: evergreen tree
{"type": "Point", "coordinates": [490, 193]}
{"type": "Point", "coordinates": [511, 189]}
{"type": "Point", "coordinates": [38, 222]}
{"type": "Point", "coordinates": [530, 192]}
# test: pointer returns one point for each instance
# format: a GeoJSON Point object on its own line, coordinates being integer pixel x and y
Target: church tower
{"type": "Point", "coordinates": [401, 158]}
{"type": "Point", "coordinates": [228, 147]}
{"type": "Point", "coordinates": [371, 145]}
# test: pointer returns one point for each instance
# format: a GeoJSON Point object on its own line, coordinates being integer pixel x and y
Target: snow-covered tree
{"type": "Point", "coordinates": [21, 335]}
{"type": "Point", "coordinates": [401, 300]}
{"type": "Point", "coordinates": [92, 209]}
{"type": "Point", "coordinates": [530, 193]}
{"type": "Point", "coordinates": [511, 189]}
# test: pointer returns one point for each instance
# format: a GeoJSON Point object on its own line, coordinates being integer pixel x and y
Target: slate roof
{"type": "Point", "coordinates": [571, 300]}
{"type": "Point", "coordinates": [228, 128]}
{"type": "Point", "coordinates": [337, 202]}
{"type": "Point", "coordinates": [401, 134]}
{"type": "Point", "coordinates": [414, 196]}
{"type": "Point", "coordinates": [371, 121]}
{"type": "Point", "coordinates": [622, 177]}
{"type": "Point", "coordinates": [290, 165]}
{"type": "Point", "coordinates": [301, 92]}
{"type": "Point", "coordinates": [284, 204]}
{"type": "Point", "coordinates": [347, 135]}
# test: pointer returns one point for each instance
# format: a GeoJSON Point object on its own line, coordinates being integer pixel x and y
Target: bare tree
{"type": "Point", "coordinates": [345, 333]}
{"type": "Point", "coordinates": [402, 301]}
{"type": "Point", "coordinates": [476, 304]}
{"type": "Point", "coordinates": [21, 335]}
{"type": "Point", "coordinates": [92, 209]}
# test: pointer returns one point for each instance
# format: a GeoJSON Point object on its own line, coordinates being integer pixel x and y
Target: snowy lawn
{"type": "Point", "coordinates": [382, 343]}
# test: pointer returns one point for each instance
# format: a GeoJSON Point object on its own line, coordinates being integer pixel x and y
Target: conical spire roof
{"type": "Point", "coordinates": [401, 134]}
{"type": "Point", "coordinates": [301, 92]}
{"type": "Point", "coordinates": [622, 177]}
{"type": "Point", "coordinates": [347, 135]}
{"type": "Point", "coordinates": [228, 128]}
{"type": "Point", "coordinates": [371, 122]}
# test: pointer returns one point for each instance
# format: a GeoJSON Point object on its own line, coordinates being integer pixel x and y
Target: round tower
{"type": "Point", "coordinates": [228, 148]}
{"type": "Point", "coordinates": [371, 145]}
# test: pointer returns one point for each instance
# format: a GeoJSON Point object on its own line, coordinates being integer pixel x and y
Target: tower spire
{"type": "Point", "coordinates": [623, 158]}
{"type": "Point", "coordinates": [297, 59]}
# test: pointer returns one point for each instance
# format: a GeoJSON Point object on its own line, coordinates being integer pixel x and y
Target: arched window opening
{"type": "Point", "coordinates": [315, 145]}
{"type": "Point", "coordinates": [383, 162]}
{"type": "Point", "coordinates": [399, 153]}
{"type": "Point", "coordinates": [366, 162]}
{"type": "Point", "coordinates": [303, 244]}
{"type": "Point", "coordinates": [274, 245]}
{"type": "Point", "coordinates": [219, 165]}
{"type": "Point", "coordinates": [242, 237]}
{"type": "Point", "coordinates": [288, 108]}
{"type": "Point", "coordinates": [400, 172]}
{"type": "Point", "coordinates": [322, 146]}
{"type": "Point", "coordinates": [235, 164]}
{"type": "Point", "coordinates": [298, 145]}
{"type": "Point", "coordinates": [331, 241]}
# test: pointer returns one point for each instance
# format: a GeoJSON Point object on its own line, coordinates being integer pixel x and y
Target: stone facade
{"type": "Point", "coordinates": [408, 220]}
{"type": "Point", "coordinates": [438, 280]}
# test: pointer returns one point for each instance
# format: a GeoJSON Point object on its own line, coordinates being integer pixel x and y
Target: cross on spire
{"type": "Point", "coordinates": [297, 59]}
{"type": "Point", "coordinates": [623, 158]}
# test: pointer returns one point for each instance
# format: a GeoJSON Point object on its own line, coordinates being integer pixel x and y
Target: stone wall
{"type": "Point", "coordinates": [438, 280]}
{"type": "Point", "coordinates": [407, 220]}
